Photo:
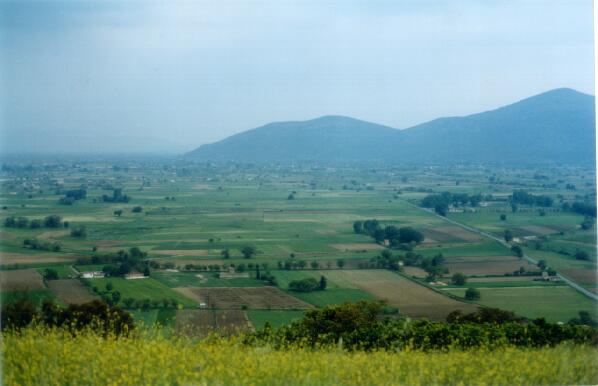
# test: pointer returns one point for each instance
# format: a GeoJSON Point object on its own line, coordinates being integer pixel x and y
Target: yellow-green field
{"type": "Point", "coordinates": [56, 358]}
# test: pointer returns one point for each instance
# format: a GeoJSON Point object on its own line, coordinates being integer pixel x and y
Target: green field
{"type": "Point", "coordinates": [333, 296]}
{"type": "Point", "coordinates": [164, 317]}
{"type": "Point", "coordinates": [339, 290]}
{"type": "Point", "coordinates": [188, 279]}
{"type": "Point", "coordinates": [556, 304]}
{"type": "Point", "coordinates": [63, 271]}
{"type": "Point", "coordinates": [192, 213]}
{"type": "Point", "coordinates": [142, 289]}
{"type": "Point", "coordinates": [35, 296]}
{"type": "Point", "coordinates": [507, 284]}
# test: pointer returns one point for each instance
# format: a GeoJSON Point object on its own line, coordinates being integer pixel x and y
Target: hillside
{"type": "Point", "coordinates": [556, 126]}
{"type": "Point", "coordinates": [329, 138]}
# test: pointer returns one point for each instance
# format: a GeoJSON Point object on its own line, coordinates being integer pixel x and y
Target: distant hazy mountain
{"type": "Point", "coordinates": [556, 126]}
{"type": "Point", "coordinates": [330, 138]}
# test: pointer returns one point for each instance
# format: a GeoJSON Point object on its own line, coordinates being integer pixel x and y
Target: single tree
{"type": "Point", "coordinates": [508, 236]}
{"type": "Point", "coordinates": [441, 209]}
{"type": "Point", "coordinates": [379, 235]}
{"type": "Point", "coordinates": [50, 274]}
{"type": "Point", "coordinates": [517, 251]}
{"type": "Point", "coordinates": [248, 251]}
{"type": "Point", "coordinates": [53, 221]}
{"type": "Point", "coordinates": [323, 283]}
{"type": "Point", "coordinates": [503, 217]}
{"type": "Point", "coordinates": [358, 227]}
{"type": "Point", "coordinates": [582, 255]}
{"type": "Point", "coordinates": [79, 232]}
{"type": "Point", "coordinates": [340, 263]}
{"type": "Point", "coordinates": [458, 279]}
{"type": "Point", "coordinates": [472, 294]}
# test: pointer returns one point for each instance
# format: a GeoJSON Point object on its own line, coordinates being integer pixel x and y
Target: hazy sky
{"type": "Point", "coordinates": [167, 76]}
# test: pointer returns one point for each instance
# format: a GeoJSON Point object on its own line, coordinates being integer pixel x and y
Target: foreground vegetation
{"type": "Point", "coordinates": [355, 343]}
{"type": "Point", "coordinates": [37, 356]}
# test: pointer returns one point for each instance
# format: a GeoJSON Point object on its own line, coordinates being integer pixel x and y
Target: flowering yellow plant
{"type": "Point", "coordinates": [39, 356]}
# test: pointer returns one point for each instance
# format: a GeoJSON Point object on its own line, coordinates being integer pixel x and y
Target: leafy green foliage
{"type": "Point", "coordinates": [524, 198]}
{"type": "Point", "coordinates": [304, 285]}
{"type": "Point", "coordinates": [95, 314]}
{"type": "Point", "coordinates": [472, 294]}
{"type": "Point", "coordinates": [362, 326]}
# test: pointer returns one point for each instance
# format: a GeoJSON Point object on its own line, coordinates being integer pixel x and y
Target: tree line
{"type": "Point", "coordinates": [51, 221]}
{"type": "Point", "coordinates": [364, 326]}
{"type": "Point", "coordinates": [72, 196]}
{"type": "Point", "coordinates": [441, 202]}
{"type": "Point", "coordinates": [96, 315]}
{"type": "Point", "coordinates": [308, 284]}
{"type": "Point", "coordinates": [524, 198]}
{"type": "Point", "coordinates": [120, 263]}
{"type": "Point", "coordinates": [404, 237]}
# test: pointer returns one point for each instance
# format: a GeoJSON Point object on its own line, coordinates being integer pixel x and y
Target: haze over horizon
{"type": "Point", "coordinates": [167, 77]}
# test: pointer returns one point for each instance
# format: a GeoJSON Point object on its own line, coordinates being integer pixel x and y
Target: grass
{"type": "Point", "coordinates": [53, 357]}
{"type": "Point", "coordinates": [165, 317]}
{"type": "Point", "coordinates": [145, 319]}
{"type": "Point", "coordinates": [507, 284]}
{"type": "Point", "coordinates": [64, 271]}
{"type": "Point", "coordinates": [141, 289]}
{"type": "Point", "coordinates": [333, 296]}
{"type": "Point", "coordinates": [34, 296]}
{"type": "Point", "coordinates": [189, 279]}
{"type": "Point", "coordinates": [485, 248]}
{"type": "Point", "coordinates": [559, 303]}
{"type": "Point", "coordinates": [284, 277]}
{"type": "Point", "coordinates": [339, 289]}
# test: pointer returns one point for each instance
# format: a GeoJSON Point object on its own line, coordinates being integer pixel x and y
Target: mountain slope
{"type": "Point", "coordinates": [556, 126]}
{"type": "Point", "coordinates": [329, 138]}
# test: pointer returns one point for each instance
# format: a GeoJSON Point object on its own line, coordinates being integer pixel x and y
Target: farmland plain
{"type": "Point", "coordinates": [194, 220]}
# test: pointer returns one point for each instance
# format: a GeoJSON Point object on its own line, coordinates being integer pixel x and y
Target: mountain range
{"type": "Point", "coordinates": [557, 126]}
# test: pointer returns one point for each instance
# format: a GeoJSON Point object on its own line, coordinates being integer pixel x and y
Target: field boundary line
{"type": "Point", "coordinates": [570, 282]}
{"type": "Point", "coordinates": [437, 290]}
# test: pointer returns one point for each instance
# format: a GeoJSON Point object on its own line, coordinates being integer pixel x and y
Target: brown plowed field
{"type": "Point", "coordinates": [70, 291]}
{"type": "Point", "coordinates": [489, 267]}
{"type": "Point", "coordinates": [411, 298]}
{"type": "Point", "coordinates": [237, 297]}
{"type": "Point", "coordinates": [582, 276]}
{"type": "Point", "coordinates": [20, 280]}
{"type": "Point", "coordinates": [200, 323]}
{"type": "Point", "coordinates": [452, 233]}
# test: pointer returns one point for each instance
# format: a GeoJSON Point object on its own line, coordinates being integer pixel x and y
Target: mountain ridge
{"type": "Point", "coordinates": [555, 126]}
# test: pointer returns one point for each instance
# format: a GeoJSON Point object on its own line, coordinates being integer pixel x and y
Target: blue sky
{"type": "Point", "coordinates": [167, 76]}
